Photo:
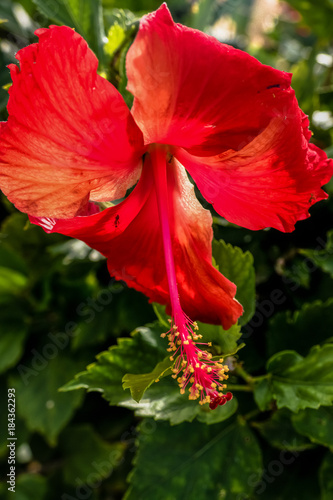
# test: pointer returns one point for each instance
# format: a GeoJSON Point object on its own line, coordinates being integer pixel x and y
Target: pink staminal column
{"type": "Point", "coordinates": [194, 368]}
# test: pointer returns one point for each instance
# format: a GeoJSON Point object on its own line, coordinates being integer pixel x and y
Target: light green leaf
{"type": "Point", "coordinates": [194, 461]}
{"type": "Point", "coordinates": [139, 383]}
{"type": "Point", "coordinates": [137, 355]}
{"type": "Point", "coordinates": [86, 454]}
{"type": "Point", "coordinates": [296, 382]}
{"type": "Point", "coordinates": [12, 282]}
{"type": "Point", "coordinates": [83, 15]}
{"type": "Point", "coordinates": [224, 341]}
{"type": "Point", "coordinates": [287, 328]}
{"type": "Point", "coordinates": [326, 477]}
{"type": "Point", "coordinates": [161, 315]}
{"type": "Point", "coordinates": [163, 401]}
{"type": "Point", "coordinates": [116, 36]}
{"type": "Point", "coordinates": [317, 425]}
{"type": "Point", "coordinates": [237, 266]}
{"type": "Point", "coordinates": [133, 355]}
{"type": "Point", "coordinates": [39, 402]}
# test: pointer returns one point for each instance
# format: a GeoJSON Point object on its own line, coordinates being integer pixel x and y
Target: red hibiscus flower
{"type": "Point", "coordinates": [231, 122]}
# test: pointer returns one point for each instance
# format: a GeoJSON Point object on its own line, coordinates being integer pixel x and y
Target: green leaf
{"type": "Point", "coordinates": [322, 257]}
{"type": "Point", "coordinates": [280, 433]}
{"type": "Point", "coordinates": [12, 282]}
{"type": "Point", "coordinates": [317, 425]}
{"type": "Point", "coordinates": [288, 329]}
{"type": "Point", "coordinates": [237, 266]}
{"type": "Point", "coordinates": [39, 402]}
{"type": "Point", "coordinates": [135, 355]}
{"type": "Point", "coordinates": [161, 315]}
{"type": "Point", "coordinates": [139, 383]}
{"type": "Point", "coordinates": [116, 36]}
{"type": "Point", "coordinates": [262, 394]}
{"type": "Point", "coordinates": [195, 461]}
{"type": "Point", "coordinates": [225, 341]}
{"type": "Point", "coordinates": [135, 5]}
{"type": "Point", "coordinates": [12, 260]}
{"type": "Point", "coordinates": [296, 382]}
{"type": "Point", "coordinates": [13, 334]}
{"type": "Point", "coordinates": [30, 486]}
{"type": "Point", "coordinates": [163, 401]}
{"type": "Point", "coordinates": [83, 15]}
{"type": "Point", "coordinates": [317, 16]}
{"type": "Point", "coordinates": [86, 454]}
{"type": "Point", "coordinates": [326, 477]}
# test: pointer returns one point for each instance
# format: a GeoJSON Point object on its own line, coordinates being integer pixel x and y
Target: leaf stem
{"type": "Point", "coordinates": [237, 387]}
{"type": "Point", "coordinates": [239, 370]}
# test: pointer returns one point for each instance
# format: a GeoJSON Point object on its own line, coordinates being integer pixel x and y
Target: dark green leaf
{"type": "Point", "coordinates": [13, 333]}
{"type": "Point", "coordinates": [237, 266]}
{"type": "Point", "coordinates": [87, 455]}
{"type": "Point", "coordinates": [317, 425]}
{"type": "Point", "coordinates": [262, 394]}
{"type": "Point", "coordinates": [322, 257]}
{"type": "Point", "coordinates": [39, 403]}
{"type": "Point", "coordinates": [136, 355]}
{"type": "Point", "coordinates": [326, 477]}
{"type": "Point", "coordinates": [280, 433]}
{"type": "Point", "coordinates": [30, 486]}
{"type": "Point", "coordinates": [289, 329]}
{"type": "Point", "coordinates": [83, 15]}
{"type": "Point", "coordinates": [317, 15]}
{"type": "Point", "coordinates": [296, 382]}
{"type": "Point", "coordinates": [195, 461]}
{"type": "Point", "coordinates": [135, 5]}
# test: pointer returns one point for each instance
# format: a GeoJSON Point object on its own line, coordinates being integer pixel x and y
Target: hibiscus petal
{"type": "Point", "coordinates": [69, 135]}
{"type": "Point", "coordinates": [192, 91]}
{"type": "Point", "coordinates": [270, 182]}
{"type": "Point", "coordinates": [129, 235]}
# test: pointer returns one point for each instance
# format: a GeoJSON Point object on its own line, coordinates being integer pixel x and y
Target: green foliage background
{"type": "Point", "coordinates": [66, 324]}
